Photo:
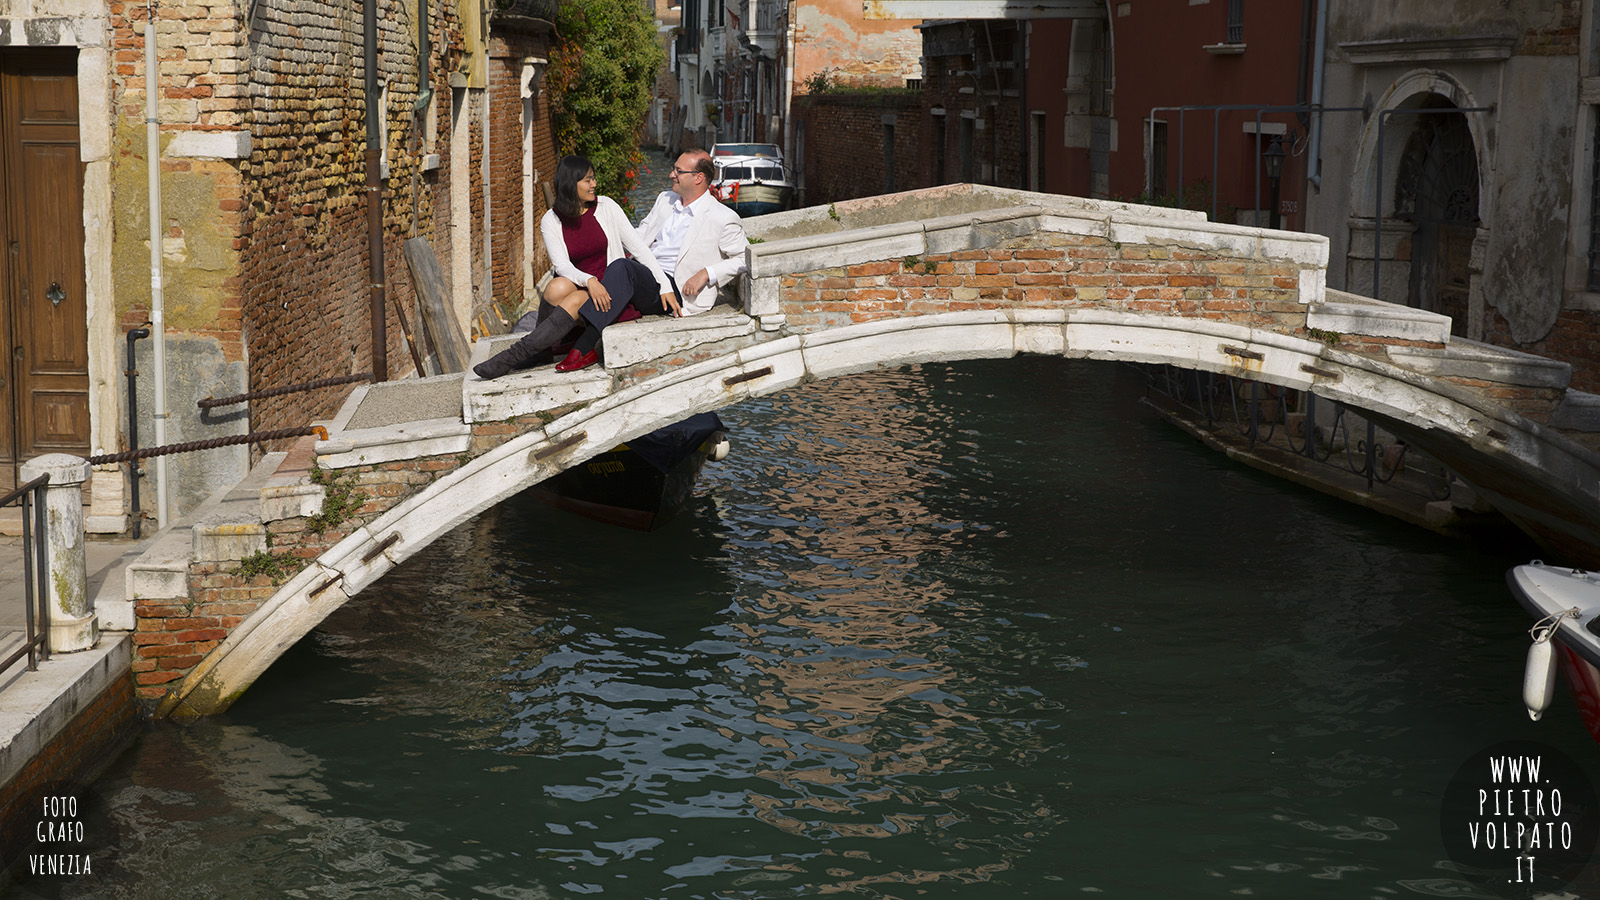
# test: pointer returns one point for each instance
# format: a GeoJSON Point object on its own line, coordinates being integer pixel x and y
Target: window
{"type": "Point", "coordinates": [967, 127]}
{"type": "Point", "coordinates": [1036, 150]}
{"type": "Point", "coordinates": [1157, 186]}
{"type": "Point", "coordinates": [1594, 205]}
{"type": "Point", "coordinates": [938, 147]}
{"type": "Point", "coordinates": [1235, 21]}
{"type": "Point", "coordinates": [888, 157]}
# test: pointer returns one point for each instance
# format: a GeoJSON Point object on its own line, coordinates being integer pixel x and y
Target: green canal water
{"type": "Point", "coordinates": [978, 630]}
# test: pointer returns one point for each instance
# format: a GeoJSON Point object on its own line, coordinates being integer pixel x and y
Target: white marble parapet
{"type": "Point", "coordinates": [1377, 319]}
{"type": "Point", "coordinates": [1484, 362]}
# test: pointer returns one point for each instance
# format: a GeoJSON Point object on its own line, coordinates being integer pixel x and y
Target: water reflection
{"type": "Point", "coordinates": [941, 631]}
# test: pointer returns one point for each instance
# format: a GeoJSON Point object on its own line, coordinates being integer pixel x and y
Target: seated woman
{"type": "Point", "coordinates": [586, 235]}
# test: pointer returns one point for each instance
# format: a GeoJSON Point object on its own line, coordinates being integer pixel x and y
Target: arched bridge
{"type": "Point", "coordinates": [945, 274]}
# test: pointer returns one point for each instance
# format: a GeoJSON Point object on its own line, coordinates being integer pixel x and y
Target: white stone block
{"type": "Point", "coordinates": [157, 580]}
{"type": "Point", "coordinates": [1377, 319]}
{"type": "Point", "coordinates": [226, 542]}
{"type": "Point", "coordinates": [209, 145]}
{"type": "Point", "coordinates": [763, 296]}
{"type": "Point", "coordinates": [1040, 331]}
{"type": "Point", "coordinates": [410, 440]}
{"type": "Point", "coordinates": [115, 615]}
{"type": "Point", "coordinates": [292, 501]}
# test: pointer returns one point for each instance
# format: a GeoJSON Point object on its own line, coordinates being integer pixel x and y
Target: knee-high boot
{"type": "Point", "coordinates": [520, 355]}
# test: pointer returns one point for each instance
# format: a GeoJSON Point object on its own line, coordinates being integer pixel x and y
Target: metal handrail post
{"type": "Point", "coordinates": [1372, 455]}
{"type": "Point", "coordinates": [41, 553]}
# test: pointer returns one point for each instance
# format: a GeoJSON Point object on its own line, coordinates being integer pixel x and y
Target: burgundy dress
{"type": "Point", "coordinates": [586, 243]}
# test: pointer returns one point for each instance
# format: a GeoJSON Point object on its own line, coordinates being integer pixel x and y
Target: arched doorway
{"type": "Point", "coordinates": [1436, 190]}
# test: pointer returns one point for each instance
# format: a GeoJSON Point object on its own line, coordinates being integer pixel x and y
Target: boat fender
{"type": "Point", "coordinates": [718, 447]}
{"type": "Point", "coordinates": [1539, 678]}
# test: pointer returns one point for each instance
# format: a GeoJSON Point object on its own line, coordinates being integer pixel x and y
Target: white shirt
{"type": "Point", "coordinates": [668, 246]}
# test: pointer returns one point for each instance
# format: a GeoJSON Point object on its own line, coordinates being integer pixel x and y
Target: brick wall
{"type": "Point", "coordinates": [305, 257]}
{"type": "Point", "coordinates": [63, 766]}
{"type": "Point", "coordinates": [1050, 270]}
{"type": "Point", "coordinates": [967, 83]}
{"type": "Point", "coordinates": [844, 154]}
{"type": "Point", "coordinates": [304, 268]}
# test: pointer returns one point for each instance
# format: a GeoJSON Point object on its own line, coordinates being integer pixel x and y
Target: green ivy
{"type": "Point", "coordinates": [264, 563]}
{"type": "Point", "coordinates": [339, 501]}
{"type": "Point", "coordinates": [602, 75]}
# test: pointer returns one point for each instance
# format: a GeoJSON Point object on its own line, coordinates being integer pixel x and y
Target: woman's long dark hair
{"type": "Point", "coordinates": [569, 172]}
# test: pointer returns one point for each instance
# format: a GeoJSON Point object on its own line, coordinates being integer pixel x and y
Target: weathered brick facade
{"type": "Point", "coordinates": [1050, 270]}
{"type": "Point", "coordinates": [847, 153]}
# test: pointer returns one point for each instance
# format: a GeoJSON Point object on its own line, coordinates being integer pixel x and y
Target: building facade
{"type": "Point", "coordinates": [264, 271]}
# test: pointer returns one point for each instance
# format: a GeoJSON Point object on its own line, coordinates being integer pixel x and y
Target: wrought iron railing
{"type": "Point", "coordinates": [1316, 429]}
{"type": "Point", "coordinates": [36, 611]}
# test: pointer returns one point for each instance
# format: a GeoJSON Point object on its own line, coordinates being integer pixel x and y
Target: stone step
{"type": "Point", "coordinates": [527, 391]}
{"type": "Point", "coordinates": [656, 337]}
{"type": "Point", "coordinates": [227, 527]}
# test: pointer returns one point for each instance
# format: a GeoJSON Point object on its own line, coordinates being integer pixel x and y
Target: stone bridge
{"type": "Point", "coordinates": [948, 273]}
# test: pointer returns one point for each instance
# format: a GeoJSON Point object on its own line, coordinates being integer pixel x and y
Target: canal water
{"type": "Point", "coordinates": [988, 629]}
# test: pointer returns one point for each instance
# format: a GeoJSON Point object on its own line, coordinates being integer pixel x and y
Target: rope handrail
{"type": "Point", "coordinates": [262, 394]}
{"type": "Point", "coordinates": [209, 444]}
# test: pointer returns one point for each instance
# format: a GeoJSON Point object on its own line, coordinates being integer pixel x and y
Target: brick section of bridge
{"type": "Point", "coordinates": [1051, 270]}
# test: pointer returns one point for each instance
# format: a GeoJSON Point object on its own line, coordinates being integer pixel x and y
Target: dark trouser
{"type": "Point", "coordinates": [627, 281]}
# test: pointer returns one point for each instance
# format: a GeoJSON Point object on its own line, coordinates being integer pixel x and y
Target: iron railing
{"type": "Point", "coordinates": [1329, 432]}
{"type": "Point", "coordinates": [36, 611]}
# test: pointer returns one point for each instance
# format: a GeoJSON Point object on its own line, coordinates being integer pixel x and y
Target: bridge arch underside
{"type": "Point", "coordinates": [1455, 425]}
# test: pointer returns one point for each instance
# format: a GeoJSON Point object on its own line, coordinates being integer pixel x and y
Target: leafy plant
{"type": "Point", "coordinates": [339, 501]}
{"type": "Point", "coordinates": [819, 82]}
{"type": "Point", "coordinates": [833, 213]}
{"type": "Point", "coordinates": [913, 263]}
{"type": "Point", "coordinates": [1331, 338]}
{"type": "Point", "coordinates": [263, 563]}
{"type": "Point", "coordinates": [602, 74]}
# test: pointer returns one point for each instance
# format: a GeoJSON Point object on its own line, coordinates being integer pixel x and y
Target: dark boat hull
{"type": "Point", "coordinates": [639, 485]}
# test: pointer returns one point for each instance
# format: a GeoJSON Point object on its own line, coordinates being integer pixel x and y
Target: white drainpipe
{"type": "Point", "coordinates": [158, 325]}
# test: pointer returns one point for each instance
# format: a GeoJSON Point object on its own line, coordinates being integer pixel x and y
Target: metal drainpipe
{"type": "Point", "coordinates": [424, 51]}
{"type": "Point", "coordinates": [133, 430]}
{"type": "Point", "coordinates": [158, 325]}
{"type": "Point", "coordinates": [375, 310]}
{"type": "Point", "coordinates": [1316, 95]}
{"type": "Point", "coordinates": [788, 84]}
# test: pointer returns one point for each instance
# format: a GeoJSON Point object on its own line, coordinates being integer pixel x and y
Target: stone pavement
{"type": "Point", "coordinates": [106, 561]}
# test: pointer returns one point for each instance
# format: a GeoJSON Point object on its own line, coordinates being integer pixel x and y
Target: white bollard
{"type": "Point", "coordinates": [73, 626]}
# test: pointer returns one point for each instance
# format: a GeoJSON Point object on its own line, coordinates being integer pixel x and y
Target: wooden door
{"type": "Point", "coordinates": [43, 312]}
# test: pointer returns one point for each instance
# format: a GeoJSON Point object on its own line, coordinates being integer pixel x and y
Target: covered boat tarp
{"type": "Point", "coordinates": [666, 447]}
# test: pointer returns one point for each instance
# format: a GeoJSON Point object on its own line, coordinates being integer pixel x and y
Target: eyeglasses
{"type": "Point", "coordinates": [678, 171]}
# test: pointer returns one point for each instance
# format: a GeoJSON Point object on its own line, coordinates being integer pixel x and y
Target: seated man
{"type": "Point", "coordinates": [693, 234]}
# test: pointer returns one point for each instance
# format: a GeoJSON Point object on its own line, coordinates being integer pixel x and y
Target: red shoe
{"type": "Point", "coordinates": [576, 360]}
{"type": "Point", "coordinates": [629, 313]}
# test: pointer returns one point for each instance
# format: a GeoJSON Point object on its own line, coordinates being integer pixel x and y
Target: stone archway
{"type": "Point", "coordinates": [1436, 192]}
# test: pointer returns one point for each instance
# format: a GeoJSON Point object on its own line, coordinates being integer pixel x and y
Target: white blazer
{"type": "Point", "coordinates": [715, 241]}
{"type": "Point", "coordinates": [620, 235]}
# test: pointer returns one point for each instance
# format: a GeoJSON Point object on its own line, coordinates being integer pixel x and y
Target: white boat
{"type": "Point", "coordinates": [751, 178]}
{"type": "Point", "coordinates": [1565, 603]}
